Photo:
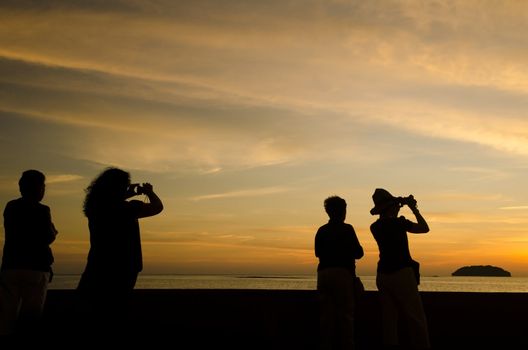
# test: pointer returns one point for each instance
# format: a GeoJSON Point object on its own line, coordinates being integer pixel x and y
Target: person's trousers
{"type": "Point", "coordinates": [337, 305]}
{"type": "Point", "coordinates": [400, 300]}
{"type": "Point", "coordinates": [22, 298]}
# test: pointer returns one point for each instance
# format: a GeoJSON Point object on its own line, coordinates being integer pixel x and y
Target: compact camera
{"type": "Point", "coordinates": [136, 189]}
{"type": "Point", "coordinates": [409, 201]}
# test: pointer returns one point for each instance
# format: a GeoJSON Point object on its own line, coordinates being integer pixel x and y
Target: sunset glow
{"type": "Point", "coordinates": [245, 116]}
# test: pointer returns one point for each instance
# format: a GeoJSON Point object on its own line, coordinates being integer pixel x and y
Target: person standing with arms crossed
{"type": "Point", "coordinates": [337, 247]}
{"type": "Point", "coordinates": [27, 259]}
{"type": "Point", "coordinates": [398, 276]}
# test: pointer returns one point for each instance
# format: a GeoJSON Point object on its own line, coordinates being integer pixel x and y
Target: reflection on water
{"type": "Point", "coordinates": [304, 282]}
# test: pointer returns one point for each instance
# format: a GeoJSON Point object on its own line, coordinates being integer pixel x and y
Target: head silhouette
{"type": "Point", "coordinates": [108, 188]}
{"type": "Point", "coordinates": [383, 201]}
{"type": "Point", "coordinates": [335, 207]}
{"type": "Point", "coordinates": [32, 185]}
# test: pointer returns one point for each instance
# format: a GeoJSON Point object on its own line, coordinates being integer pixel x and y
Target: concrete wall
{"type": "Point", "coordinates": [278, 319]}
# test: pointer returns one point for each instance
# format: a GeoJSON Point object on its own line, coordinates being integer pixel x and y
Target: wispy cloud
{"type": "Point", "coordinates": [243, 193]}
{"type": "Point", "coordinates": [191, 54]}
{"type": "Point", "coordinates": [476, 219]}
{"type": "Point", "coordinates": [54, 179]}
{"type": "Point", "coordinates": [517, 207]}
{"type": "Point", "coordinates": [361, 91]}
{"type": "Point", "coordinates": [457, 197]}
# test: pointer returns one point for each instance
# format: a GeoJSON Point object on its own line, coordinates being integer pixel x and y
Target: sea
{"type": "Point", "coordinates": [306, 282]}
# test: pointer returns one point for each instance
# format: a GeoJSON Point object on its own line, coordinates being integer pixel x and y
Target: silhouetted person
{"type": "Point", "coordinates": [337, 247]}
{"type": "Point", "coordinates": [397, 273]}
{"type": "Point", "coordinates": [115, 258]}
{"type": "Point", "coordinates": [27, 259]}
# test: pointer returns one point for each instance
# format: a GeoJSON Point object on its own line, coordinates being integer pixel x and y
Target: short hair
{"type": "Point", "coordinates": [334, 206]}
{"type": "Point", "coordinates": [30, 181]}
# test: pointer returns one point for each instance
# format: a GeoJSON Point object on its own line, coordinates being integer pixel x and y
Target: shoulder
{"type": "Point", "coordinates": [348, 227]}
{"type": "Point", "coordinates": [16, 200]}
{"type": "Point", "coordinates": [375, 225]}
{"type": "Point", "coordinates": [322, 228]}
{"type": "Point", "coordinates": [43, 207]}
{"type": "Point", "coordinates": [14, 204]}
{"type": "Point", "coordinates": [322, 231]}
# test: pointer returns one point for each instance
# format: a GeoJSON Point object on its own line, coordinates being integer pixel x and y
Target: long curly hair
{"type": "Point", "coordinates": [105, 190]}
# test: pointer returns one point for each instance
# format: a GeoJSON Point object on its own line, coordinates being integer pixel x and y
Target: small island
{"type": "Point", "coordinates": [481, 270]}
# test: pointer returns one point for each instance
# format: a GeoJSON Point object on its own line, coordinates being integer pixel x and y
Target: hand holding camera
{"type": "Point", "coordinates": [138, 189]}
{"type": "Point", "coordinates": [146, 188]}
{"type": "Point", "coordinates": [409, 201]}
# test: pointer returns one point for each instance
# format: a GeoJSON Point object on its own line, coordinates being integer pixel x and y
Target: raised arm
{"type": "Point", "coordinates": [154, 206]}
{"type": "Point", "coordinates": [421, 225]}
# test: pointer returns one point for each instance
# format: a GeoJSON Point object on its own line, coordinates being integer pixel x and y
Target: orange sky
{"type": "Point", "coordinates": [246, 116]}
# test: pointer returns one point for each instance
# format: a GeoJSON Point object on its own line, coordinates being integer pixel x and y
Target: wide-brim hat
{"type": "Point", "coordinates": [382, 200]}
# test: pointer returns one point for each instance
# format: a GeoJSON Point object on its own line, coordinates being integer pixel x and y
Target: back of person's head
{"type": "Point", "coordinates": [112, 179]}
{"type": "Point", "coordinates": [31, 184]}
{"type": "Point", "coordinates": [107, 188]}
{"type": "Point", "coordinates": [335, 207]}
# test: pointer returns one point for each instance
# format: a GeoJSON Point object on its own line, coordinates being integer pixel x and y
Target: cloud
{"type": "Point", "coordinates": [221, 55]}
{"type": "Point", "coordinates": [53, 179]}
{"type": "Point", "coordinates": [226, 56]}
{"type": "Point", "coordinates": [482, 173]}
{"type": "Point", "coordinates": [474, 221]}
{"type": "Point", "coordinates": [457, 197]}
{"type": "Point", "coordinates": [243, 193]}
{"type": "Point", "coordinates": [517, 207]}
{"type": "Point", "coordinates": [236, 100]}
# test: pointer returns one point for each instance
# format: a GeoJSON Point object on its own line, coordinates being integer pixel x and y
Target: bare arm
{"type": "Point", "coordinates": [155, 206]}
{"type": "Point", "coordinates": [421, 225]}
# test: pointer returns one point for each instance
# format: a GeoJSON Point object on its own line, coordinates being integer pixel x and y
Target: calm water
{"type": "Point", "coordinates": [305, 282]}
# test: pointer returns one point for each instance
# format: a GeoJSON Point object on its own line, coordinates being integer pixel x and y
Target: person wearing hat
{"type": "Point", "coordinates": [397, 275]}
{"type": "Point", "coordinates": [337, 247]}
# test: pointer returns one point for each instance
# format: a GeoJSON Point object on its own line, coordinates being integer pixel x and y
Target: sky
{"type": "Point", "coordinates": [245, 115]}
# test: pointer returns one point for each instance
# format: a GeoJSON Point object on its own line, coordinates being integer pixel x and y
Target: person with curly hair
{"type": "Point", "coordinates": [115, 257]}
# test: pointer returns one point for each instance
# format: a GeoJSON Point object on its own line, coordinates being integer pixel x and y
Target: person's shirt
{"type": "Point", "coordinates": [115, 242]}
{"type": "Point", "coordinates": [391, 236]}
{"type": "Point", "coordinates": [29, 231]}
{"type": "Point", "coordinates": [337, 245]}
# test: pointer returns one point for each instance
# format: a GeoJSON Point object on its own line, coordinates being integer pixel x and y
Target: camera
{"type": "Point", "coordinates": [136, 189]}
{"type": "Point", "coordinates": [409, 201]}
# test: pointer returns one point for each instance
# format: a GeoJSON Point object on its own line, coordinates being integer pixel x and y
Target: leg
{"type": "Point", "coordinates": [346, 309]}
{"type": "Point", "coordinates": [327, 311]}
{"type": "Point", "coordinates": [33, 291]}
{"type": "Point", "coordinates": [389, 311]}
{"type": "Point", "coordinates": [410, 303]}
{"type": "Point", "coordinates": [9, 302]}
{"type": "Point", "coordinates": [336, 287]}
